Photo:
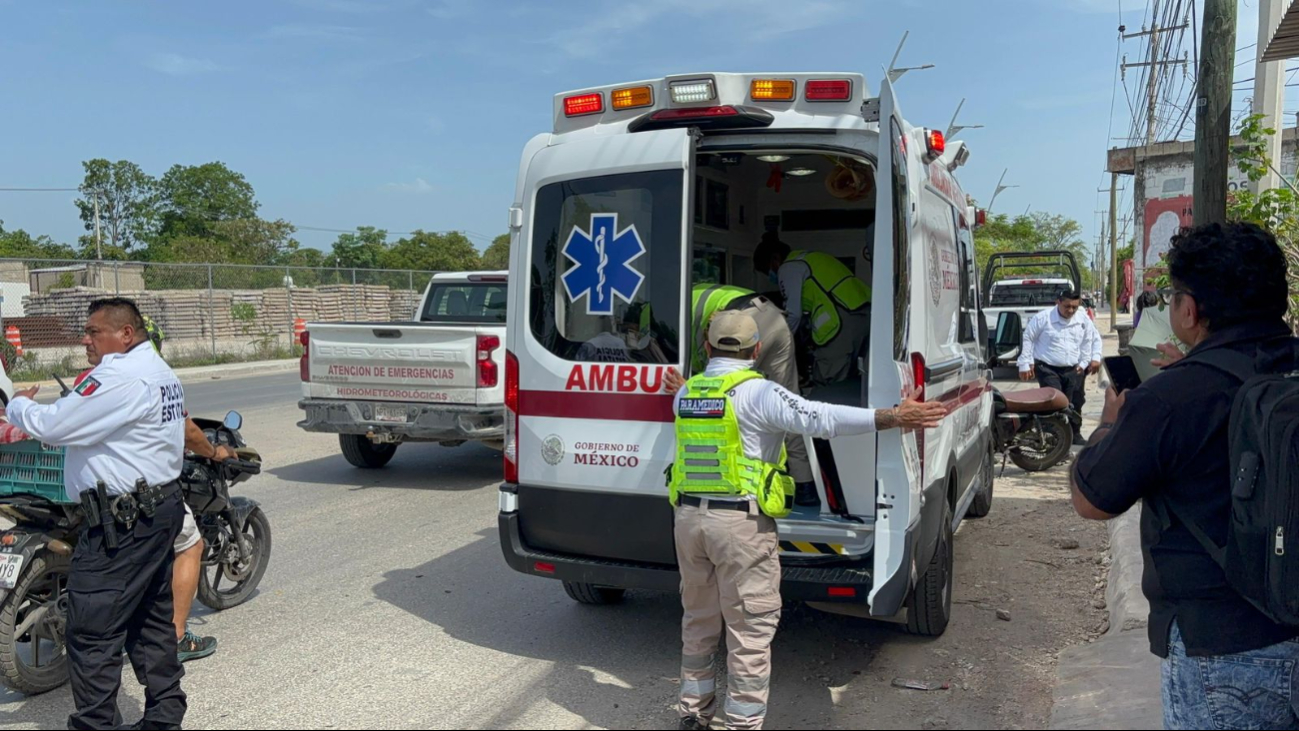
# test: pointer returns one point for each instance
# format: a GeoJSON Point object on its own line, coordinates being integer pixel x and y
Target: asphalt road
{"type": "Point", "coordinates": [387, 604]}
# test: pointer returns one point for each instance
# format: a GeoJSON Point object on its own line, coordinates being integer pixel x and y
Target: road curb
{"type": "Point", "coordinates": [1129, 609]}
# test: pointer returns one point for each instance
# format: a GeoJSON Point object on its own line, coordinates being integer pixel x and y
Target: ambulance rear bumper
{"type": "Point", "coordinates": [840, 583]}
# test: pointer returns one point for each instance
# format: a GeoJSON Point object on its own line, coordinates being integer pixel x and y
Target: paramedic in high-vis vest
{"type": "Point", "coordinates": [823, 298]}
{"type": "Point", "coordinates": [777, 361]}
{"type": "Point", "coordinates": [728, 485]}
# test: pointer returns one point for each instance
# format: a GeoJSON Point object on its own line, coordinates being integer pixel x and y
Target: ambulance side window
{"type": "Point", "coordinates": [901, 247]}
{"type": "Point", "coordinates": [606, 268]}
{"type": "Point", "coordinates": [969, 300]}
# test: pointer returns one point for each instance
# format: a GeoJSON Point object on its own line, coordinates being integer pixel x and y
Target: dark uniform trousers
{"type": "Point", "coordinates": [1069, 381]}
{"type": "Point", "coordinates": [122, 598]}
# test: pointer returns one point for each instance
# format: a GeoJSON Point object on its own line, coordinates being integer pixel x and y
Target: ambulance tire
{"type": "Point", "coordinates": [982, 503]}
{"type": "Point", "coordinates": [593, 595]}
{"type": "Point", "coordinates": [363, 453]}
{"type": "Point", "coordinates": [930, 608]}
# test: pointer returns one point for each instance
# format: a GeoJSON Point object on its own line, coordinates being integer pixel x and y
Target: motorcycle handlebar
{"type": "Point", "coordinates": [244, 465]}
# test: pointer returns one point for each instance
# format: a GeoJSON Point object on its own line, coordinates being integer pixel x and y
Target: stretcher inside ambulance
{"type": "Point", "coordinates": [644, 191]}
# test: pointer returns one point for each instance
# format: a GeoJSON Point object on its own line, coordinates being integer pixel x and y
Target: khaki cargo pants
{"type": "Point", "coordinates": [730, 579]}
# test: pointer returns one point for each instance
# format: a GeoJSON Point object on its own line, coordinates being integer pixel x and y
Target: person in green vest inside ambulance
{"type": "Point", "coordinates": [822, 298]}
{"type": "Point", "coordinates": [776, 361]}
{"type": "Point", "coordinates": [728, 486]}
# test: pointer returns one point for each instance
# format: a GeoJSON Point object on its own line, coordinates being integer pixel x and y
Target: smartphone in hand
{"type": "Point", "coordinates": [1122, 372]}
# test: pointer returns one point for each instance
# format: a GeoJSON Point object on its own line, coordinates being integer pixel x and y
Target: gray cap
{"type": "Point", "coordinates": [732, 331]}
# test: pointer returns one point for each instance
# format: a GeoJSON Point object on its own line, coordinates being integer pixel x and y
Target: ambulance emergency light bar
{"type": "Point", "coordinates": [698, 91]}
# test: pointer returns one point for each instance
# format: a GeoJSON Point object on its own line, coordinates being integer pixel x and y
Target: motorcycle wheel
{"type": "Point", "coordinates": [33, 657]}
{"type": "Point", "coordinates": [1033, 455]}
{"type": "Point", "coordinates": [222, 566]}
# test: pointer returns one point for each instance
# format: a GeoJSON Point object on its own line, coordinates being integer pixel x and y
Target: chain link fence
{"type": "Point", "coordinates": [210, 313]}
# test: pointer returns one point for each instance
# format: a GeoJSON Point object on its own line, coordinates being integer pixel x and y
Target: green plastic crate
{"type": "Point", "coordinates": [30, 468]}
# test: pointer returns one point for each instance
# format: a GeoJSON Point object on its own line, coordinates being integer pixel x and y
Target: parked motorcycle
{"type": "Point", "coordinates": [36, 553]}
{"type": "Point", "coordinates": [1032, 427]}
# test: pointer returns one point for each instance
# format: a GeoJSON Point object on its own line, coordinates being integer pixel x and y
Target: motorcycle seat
{"type": "Point", "coordinates": [1035, 401]}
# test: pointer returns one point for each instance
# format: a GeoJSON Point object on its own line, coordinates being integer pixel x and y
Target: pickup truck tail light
{"type": "Point", "coordinates": [511, 417]}
{"type": "Point", "coordinates": [304, 363]}
{"type": "Point", "coordinates": [488, 374]}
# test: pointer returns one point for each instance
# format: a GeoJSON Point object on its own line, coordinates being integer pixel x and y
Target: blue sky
{"type": "Point", "coordinates": [410, 114]}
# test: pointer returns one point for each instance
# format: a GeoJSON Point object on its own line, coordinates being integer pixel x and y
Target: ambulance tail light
{"type": "Point", "coordinates": [632, 97]}
{"type": "Point", "coordinates": [705, 118]}
{"type": "Point", "coordinates": [842, 592]}
{"type": "Point", "coordinates": [936, 144]}
{"type": "Point", "coordinates": [693, 92]}
{"type": "Point", "coordinates": [918, 369]}
{"type": "Point", "coordinates": [304, 362]}
{"type": "Point", "coordinates": [543, 567]}
{"type": "Point", "coordinates": [828, 90]}
{"type": "Point", "coordinates": [511, 417]}
{"type": "Point", "coordinates": [583, 104]}
{"type": "Point", "coordinates": [488, 374]}
{"type": "Point", "coordinates": [772, 90]}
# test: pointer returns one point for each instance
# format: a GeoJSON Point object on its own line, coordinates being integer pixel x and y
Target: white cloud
{"type": "Point", "coordinates": [174, 64]}
{"type": "Point", "coordinates": [314, 31]}
{"type": "Point", "coordinates": [447, 9]}
{"type": "Point", "coordinates": [418, 186]}
{"type": "Point", "coordinates": [759, 20]}
{"type": "Point", "coordinates": [352, 7]}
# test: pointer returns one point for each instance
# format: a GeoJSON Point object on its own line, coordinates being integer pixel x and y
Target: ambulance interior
{"type": "Point", "coordinates": [814, 202]}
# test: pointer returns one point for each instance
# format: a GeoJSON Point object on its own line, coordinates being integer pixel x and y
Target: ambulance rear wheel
{"type": "Point", "coordinates": [592, 594]}
{"type": "Point", "coordinates": [361, 452]}
{"type": "Point", "coordinates": [930, 608]}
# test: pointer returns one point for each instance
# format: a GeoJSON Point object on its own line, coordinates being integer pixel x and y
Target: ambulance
{"type": "Point", "coordinates": [643, 190]}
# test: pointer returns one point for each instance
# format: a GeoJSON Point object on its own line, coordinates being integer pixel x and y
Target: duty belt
{"type": "Point", "coordinates": [108, 512]}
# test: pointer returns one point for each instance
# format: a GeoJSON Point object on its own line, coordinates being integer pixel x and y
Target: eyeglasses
{"type": "Point", "coordinates": [1167, 294]}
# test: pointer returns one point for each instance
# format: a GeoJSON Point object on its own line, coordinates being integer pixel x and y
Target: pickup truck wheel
{"type": "Point", "coordinates": [930, 608]}
{"type": "Point", "coordinates": [592, 594]}
{"type": "Point", "coordinates": [363, 453]}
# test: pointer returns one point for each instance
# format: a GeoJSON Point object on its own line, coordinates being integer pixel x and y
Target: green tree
{"type": "Point", "coordinates": [497, 256]}
{"type": "Point", "coordinates": [1276, 209]}
{"type": "Point", "coordinates": [237, 241]}
{"type": "Point", "coordinates": [126, 196]}
{"type": "Point", "coordinates": [304, 257]}
{"type": "Point", "coordinates": [361, 250]}
{"type": "Point", "coordinates": [192, 199]}
{"type": "Point", "coordinates": [1037, 232]}
{"type": "Point", "coordinates": [18, 244]}
{"type": "Point", "coordinates": [431, 251]}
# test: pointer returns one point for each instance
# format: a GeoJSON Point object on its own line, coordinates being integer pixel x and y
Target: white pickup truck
{"type": "Point", "coordinates": [439, 379]}
{"type": "Point", "coordinates": [1024, 296]}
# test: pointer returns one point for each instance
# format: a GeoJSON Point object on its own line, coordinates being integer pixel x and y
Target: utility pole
{"type": "Point", "coordinates": [1114, 250]}
{"type": "Point", "coordinates": [1213, 113]}
{"type": "Point", "coordinates": [99, 249]}
{"type": "Point", "coordinates": [1269, 91]}
{"type": "Point", "coordinates": [1156, 67]}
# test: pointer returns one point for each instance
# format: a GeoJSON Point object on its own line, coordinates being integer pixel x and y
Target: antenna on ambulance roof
{"type": "Point", "coordinates": [896, 73]}
{"type": "Point", "coordinates": [954, 128]}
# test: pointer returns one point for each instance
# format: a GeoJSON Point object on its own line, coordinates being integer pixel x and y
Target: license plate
{"type": "Point", "coordinates": [390, 413]}
{"type": "Point", "coordinates": [11, 567]}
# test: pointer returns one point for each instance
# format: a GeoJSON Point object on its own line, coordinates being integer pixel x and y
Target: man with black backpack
{"type": "Point", "coordinates": [1210, 445]}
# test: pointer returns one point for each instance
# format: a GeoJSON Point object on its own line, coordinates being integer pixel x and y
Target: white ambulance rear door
{"type": "Point", "coordinates": [600, 309]}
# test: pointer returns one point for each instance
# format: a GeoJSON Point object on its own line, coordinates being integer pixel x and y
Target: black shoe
{"type": "Point", "coordinates": [143, 725]}
{"type": "Point", "coordinates": [690, 723]}
{"type": "Point", "coordinates": [1079, 440]}
{"type": "Point", "coordinates": [806, 496]}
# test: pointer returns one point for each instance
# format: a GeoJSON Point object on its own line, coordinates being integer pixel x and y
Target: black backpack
{"type": "Point", "coordinates": [1261, 558]}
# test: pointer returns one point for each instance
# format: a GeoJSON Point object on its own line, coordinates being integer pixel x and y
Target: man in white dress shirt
{"type": "Point", "coordinates": [1061, 348]}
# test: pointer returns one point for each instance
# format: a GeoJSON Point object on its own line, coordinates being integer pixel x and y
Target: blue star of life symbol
{"type": "Point", "coordinates": [602, 259]}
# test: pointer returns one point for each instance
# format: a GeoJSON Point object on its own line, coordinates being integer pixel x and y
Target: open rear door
{"type": "Point", "coordinates": [898, 463]}
{"type": "Point", "coordinates": [602, 320]}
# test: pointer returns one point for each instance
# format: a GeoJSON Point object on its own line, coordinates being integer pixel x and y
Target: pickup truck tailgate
{"type": "Point", "coordinates": [399, 362]}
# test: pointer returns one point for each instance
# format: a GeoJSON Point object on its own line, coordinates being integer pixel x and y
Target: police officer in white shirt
{"type": "Point", "coordinates": [1061, 348]}
{"type": "Point", "coordinates": [124, 429]}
